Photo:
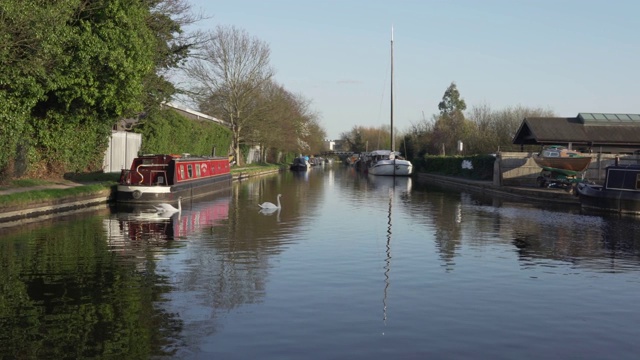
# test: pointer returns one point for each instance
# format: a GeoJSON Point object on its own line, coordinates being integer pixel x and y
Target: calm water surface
{"type": "Point", "coordinates": [351, 267]}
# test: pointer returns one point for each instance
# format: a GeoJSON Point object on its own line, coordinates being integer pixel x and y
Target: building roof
{"type": "Point", "coordinates": [591, 129]}
{"type": "Point", "coordinates": [192, 114]}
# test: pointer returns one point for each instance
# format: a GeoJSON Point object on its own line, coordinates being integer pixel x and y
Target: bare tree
{"type": "Point", "coordinates": [299, 130]}
{"type": "Point", "coordinates": [496, 129]}
{"type": "Point", "coordinates": [229, 74]}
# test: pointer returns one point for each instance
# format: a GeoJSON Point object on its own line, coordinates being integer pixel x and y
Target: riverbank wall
{"type": "Point", "coordinates": [526, 193]}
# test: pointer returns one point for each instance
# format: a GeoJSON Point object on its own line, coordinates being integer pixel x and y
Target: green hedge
{"type": "Point", "coordinates": [167, 132]}
{"type": "Point", "coordinates": [482, 166]}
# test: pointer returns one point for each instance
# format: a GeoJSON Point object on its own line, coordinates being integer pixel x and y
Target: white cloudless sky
{"type": "Point", "coordinates": [568, 56]}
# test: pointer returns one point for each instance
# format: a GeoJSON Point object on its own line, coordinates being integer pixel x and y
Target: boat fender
{"type": "Point", "coordinates": [136, 194]}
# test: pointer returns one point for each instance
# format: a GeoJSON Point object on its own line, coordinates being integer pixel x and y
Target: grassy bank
{"type": "Point", "coordinates": [30, 191]}
{"type": "Point", "coordinates": [44, 195]}
{"type": "Point", "coordinates": [254, 168]}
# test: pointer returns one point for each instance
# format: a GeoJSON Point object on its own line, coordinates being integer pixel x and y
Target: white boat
{"type": "Point", "coordinates": [389, 162]}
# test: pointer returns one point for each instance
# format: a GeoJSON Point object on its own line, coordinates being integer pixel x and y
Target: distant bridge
{"type": "Point", "coordinates": [337, 153]}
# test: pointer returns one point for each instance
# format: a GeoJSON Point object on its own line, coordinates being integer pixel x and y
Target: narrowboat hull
{"type": "Point", "coordinates": [620, 192]}
{"type": "Point", "coordinates": [298, 167]}
{"type": "Point", "coordinates": [300, 164]}
{"type": "Point", "coordinates": [134, 194]}
{"type": "Point", "coordinates": [165, 178]}
{"type": "Point", "coordinates": [595, 197]}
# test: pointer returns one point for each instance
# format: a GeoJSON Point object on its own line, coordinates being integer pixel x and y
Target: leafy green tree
{"type": "Point", "coordinates": [28, 32]}
{"type": "Point", "coordinates": [71, 68]}
{"type": "Point", "coordinates": [172, 47]}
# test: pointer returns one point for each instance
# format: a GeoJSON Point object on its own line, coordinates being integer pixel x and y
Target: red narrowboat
{"type": "Point", "coordinates": [165, 178]}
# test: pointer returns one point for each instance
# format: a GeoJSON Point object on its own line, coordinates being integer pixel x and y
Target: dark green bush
{"type": "Point", "coordinates": [482, 166]}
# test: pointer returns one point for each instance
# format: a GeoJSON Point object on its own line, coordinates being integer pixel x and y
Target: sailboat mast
{"type": "Point", "coordinates": [393, 143]}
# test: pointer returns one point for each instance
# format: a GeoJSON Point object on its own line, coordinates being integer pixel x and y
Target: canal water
{"type": "Point", "coordinates": [350, 267]}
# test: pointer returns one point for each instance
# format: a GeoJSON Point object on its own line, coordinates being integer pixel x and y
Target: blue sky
{"type": "Point", "coordinates": [568, 56]}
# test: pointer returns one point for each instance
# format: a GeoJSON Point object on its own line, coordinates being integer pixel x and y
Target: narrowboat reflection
{"type": "Point", "coordinates": [140, 223]}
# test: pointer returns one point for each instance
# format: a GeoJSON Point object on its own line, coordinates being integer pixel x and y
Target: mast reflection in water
{"type": "Point", "coordinates": [390, 185]}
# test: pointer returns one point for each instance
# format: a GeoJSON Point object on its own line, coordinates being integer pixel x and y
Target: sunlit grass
{"type": "Point", "coordinates": [44, 195]}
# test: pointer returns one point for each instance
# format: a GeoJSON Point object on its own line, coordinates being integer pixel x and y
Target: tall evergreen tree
{"type": "Point", "coordinates": [451, 125]}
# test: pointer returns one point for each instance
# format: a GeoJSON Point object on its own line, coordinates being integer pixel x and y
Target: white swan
{"type": "Point", "coordinates": [269, 211]}
{"type": "Point", "coordinates": [168, 208]}
{"type": "Point", "coordinates": [268, 205]}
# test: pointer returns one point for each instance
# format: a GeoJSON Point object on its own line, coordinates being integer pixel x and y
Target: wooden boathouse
{"type": "Point", "coordinates": [605, 136]}
{"type": "Point", "coordinates": [587, 132]}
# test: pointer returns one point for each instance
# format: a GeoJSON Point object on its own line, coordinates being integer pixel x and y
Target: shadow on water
{"type": "Point", "coordinates": [541, 233]}
{"type": "Point", "coordinates": [601, 242]}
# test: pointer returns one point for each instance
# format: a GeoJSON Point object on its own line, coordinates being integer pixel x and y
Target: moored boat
{"type": "Point", "coordinates": [388, 163]}
{"type": "Point", "coordinates": [562, 160]}
{"type": "Point", "coordinates": [164, 178]}
{"type": "Point", "coordinates": [620, 192]}
{"type": "Point", "coordinates": [561, 167]}
{"type": "Point", "coordinates": [300, 164]}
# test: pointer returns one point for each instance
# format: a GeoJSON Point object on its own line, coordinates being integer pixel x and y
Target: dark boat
{"type": "Point", "coordinates": [300, 164]}
{"type": "Point", "coordinates": [620, 192]}
{"type": "Point", "coordinates": [165, 178]}
{"type": "Point", "coordinates": [562, 160]}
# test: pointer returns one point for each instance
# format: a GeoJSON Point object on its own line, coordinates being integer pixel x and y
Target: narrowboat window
{"type": "Point", "coordinates": [616, 179]}
{"type": "Point", "coordinates": [197, 170]}
{"type": "Point", "coordinates": [190, 170]}
{"type": "Point", "coordinates": [181, 171]}
{"type": "Point", "coordinates": [637, 181]}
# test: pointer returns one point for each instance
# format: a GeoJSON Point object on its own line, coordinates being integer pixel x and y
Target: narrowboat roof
{"type": "Point", "coordinates": [183, 157]}
{"type": "Point", "coordinates": [625, 166]}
